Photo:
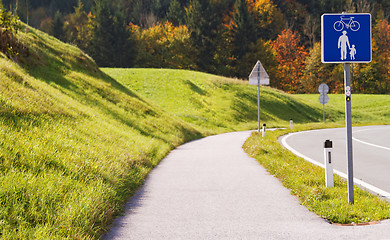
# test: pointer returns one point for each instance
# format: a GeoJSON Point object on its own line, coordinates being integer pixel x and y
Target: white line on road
{"type": "Point", "coordinates": [368, 186]}
{"type": "Point", "coordinates": [369, 144]}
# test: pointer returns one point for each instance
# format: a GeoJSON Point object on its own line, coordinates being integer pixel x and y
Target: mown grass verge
{"type": "Point", "coordinates": [306, 181]}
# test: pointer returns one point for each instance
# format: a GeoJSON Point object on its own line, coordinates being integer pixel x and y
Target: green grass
{"type": "Point", "coordinates": [366, 108]}
{"type": "Point", "coordinates": [76, 142]}
{"type": "Point", "coordinates": [307, 182]}
{"type": "Point", "coordinates": [211, 103]}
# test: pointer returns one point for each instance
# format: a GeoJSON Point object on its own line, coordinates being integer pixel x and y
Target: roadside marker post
{"type": "Point", "coordinates": [264, 129]}
{"type": "Point", "coordinates": [258, 77]}
{"type": "Point", "coordinates": [346, 38]}
{"type": "Point", "coordinates": [291, 123]}
{"type": "Point", "coordinates": [328, 163]}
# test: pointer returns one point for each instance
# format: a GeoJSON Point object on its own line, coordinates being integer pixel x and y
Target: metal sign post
{"type": "Point", "coordinates": [324, 98]}
{"type": "Point", "coordinates": [258, 97]}
{"type": "Point", "coordinates": [258, 77]}
{"type": "Point", "coordinates": [348, 123]}
{"type": "Point", "coordinates": [346, 38]}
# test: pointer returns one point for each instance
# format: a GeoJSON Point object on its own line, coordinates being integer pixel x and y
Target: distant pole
{"type": "Point", "coordinates": [258, 98]}
{"type": "Point", "coordinates": [348, 121]}
{"type": "Point", "coordinates": [323, 111]}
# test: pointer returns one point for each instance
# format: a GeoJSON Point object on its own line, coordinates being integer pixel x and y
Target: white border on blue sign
{"type": "Point", "coordinates": [322, 38]}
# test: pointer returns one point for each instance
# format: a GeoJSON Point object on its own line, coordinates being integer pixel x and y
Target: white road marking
{"type": "Point", "coordinates": [367, 143]}
{"type": "Point", "coordinates": [368, 186]}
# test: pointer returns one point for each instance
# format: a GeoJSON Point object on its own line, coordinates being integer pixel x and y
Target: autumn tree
{"type": "Point", "coordinates": [163, 46]}
{"type": "Point", "coordinates": [290, 58]}
{"type": "Point", "coordinates": [381, 55]}
{"type": "Point", "coordinates": [9, 26]}
{"type": "Point", "coordinates": [316, 72]}
{"type": "Point", "coordinates": [78, 27]}
{"type": "Point", "coordinates": [268, 18]}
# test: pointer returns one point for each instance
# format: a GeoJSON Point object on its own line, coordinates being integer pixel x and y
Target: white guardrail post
{"type": "Point", "coordinates": [328, 163]}
{"type": "Point", "coordinates": [264, 130]}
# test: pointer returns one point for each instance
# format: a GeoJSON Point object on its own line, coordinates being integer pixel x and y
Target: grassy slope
{"type": "Point", "coordinates": [365, 108]}
{"type": "Point", "coordinates": [214, 103]}
{"type": "Point", "coordinates": [74, 143]}
{"type": "Point", "coordinates": [217, 104]}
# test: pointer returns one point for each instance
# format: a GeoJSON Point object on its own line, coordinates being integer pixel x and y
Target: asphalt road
{"type": "Point", "coordinates": [211, 189]}
{"type": "Point", "coordinates": [371, 153]}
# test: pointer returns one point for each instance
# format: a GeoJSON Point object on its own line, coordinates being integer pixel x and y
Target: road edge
{"type": "Point", "coordinates": [369, 187]}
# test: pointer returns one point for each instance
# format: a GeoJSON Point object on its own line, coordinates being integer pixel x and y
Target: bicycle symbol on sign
{"type": "Point", "coordinates": [347, 22]}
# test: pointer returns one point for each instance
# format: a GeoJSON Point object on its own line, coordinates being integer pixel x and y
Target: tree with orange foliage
{"type": "Point", "coordinates": [381, 58]}
{"type": "Point", "coordinates": [290, 57]}
{"type": "Point", "coordinates": [268, 18]}
{"type": "Point", "coordinates": [163, 45]}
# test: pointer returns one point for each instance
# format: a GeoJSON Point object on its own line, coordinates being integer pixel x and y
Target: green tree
{"type": "Point", "coordinates": [243, 29]}
{"type": "Point", "coordinates": [111, 44]}
{"type": "Point", "coordinates": [259, 50]}
{"type": "Point", "coordinates": [58, 26]}
{"type": "Point", "coordinates": [175, 13]}
{"type": "Point", "coordinates": [203, 21]}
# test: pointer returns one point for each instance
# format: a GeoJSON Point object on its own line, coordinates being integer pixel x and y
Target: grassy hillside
{"type": "Point", "coordinates": [214, 103]}
{"type": "Point", "coordinates": [366, 108]}
{"type": "Point", "coordinates": [74, 143]}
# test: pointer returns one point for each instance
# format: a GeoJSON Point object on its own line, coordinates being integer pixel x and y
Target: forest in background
{"type": "Point", "coordinates": [224, 37]}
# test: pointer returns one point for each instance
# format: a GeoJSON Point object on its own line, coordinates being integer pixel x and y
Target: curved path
{"type": "Point", "coordinates": [371, 153]}
{"type": "Point", "coordinates": [211, 189]}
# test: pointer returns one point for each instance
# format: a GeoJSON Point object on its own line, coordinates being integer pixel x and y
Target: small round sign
{"type": "Point", "coordinates": [323, 88]}
{"type": "Point", "coordinates": [324, 99]}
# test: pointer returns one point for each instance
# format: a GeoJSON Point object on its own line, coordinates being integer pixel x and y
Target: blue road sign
{"type": "Point", "coordinates": [346, 38]}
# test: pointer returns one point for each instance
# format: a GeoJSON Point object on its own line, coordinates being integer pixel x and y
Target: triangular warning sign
{"type": "Point", "coordinates": [257, 73]}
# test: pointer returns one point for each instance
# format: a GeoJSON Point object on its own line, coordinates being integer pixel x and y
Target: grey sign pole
{"type": "Point", "coordinates": [258, 97]}
{"type": "Point", "coordinates": [348, 121]}
{"type": "Point", "coordinates": [258, 77]}
{"type": "Point", "coordinates": [324, 98]}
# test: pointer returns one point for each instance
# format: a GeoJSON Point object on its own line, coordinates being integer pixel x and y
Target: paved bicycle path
{"type": "Point", "coordinates": [211, 189]}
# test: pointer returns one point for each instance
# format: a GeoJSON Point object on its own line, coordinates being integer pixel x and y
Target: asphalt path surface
{"type": "Point", "coordinates": [211, 189]}
{"type": "Point", "coordinates": [371, 153]}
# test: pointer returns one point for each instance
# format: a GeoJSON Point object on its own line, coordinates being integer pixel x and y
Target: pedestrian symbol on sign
{"type": "Point", "coordinates": [343, 42]}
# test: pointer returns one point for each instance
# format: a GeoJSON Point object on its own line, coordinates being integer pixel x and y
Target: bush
{"type": "Point", "coordinates": [9, 26]}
